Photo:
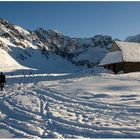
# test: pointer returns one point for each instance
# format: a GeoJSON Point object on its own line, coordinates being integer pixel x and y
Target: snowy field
{"type": "Point", "coordinates": [67, 105]}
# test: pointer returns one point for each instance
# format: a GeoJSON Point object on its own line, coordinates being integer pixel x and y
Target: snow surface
{"type": "Point", "coordinates": [74, 105]}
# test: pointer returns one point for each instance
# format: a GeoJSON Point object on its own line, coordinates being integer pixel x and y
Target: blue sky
{"type": "Point", "coordinates": [76, 19]}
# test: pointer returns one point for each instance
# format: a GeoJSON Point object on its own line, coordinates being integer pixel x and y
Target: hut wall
{"type": "Point", "coordinates": [117, 67]}
{"type": "Point", "coordinates": [132, 67]}
{"type": "Point", "coordinates": [126, 67]}
{"type": "Point", "coordinates": [114, 48]}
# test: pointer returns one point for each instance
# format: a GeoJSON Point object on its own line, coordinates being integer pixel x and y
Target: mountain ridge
{"type": "Point", "coordinates": [23, 45]}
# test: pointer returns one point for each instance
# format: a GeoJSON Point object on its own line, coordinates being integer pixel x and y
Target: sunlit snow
{"type": "Point", "coordinates": [70, 105]}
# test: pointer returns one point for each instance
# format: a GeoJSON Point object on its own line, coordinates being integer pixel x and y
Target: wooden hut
{"type": "Point", "coordinates": [123, 56]}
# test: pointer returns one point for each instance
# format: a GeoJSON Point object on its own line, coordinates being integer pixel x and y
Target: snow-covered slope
{"type": "Point", "coordinates": [50, 49]}
{"type": "Point", "coordinates": [7, 61]}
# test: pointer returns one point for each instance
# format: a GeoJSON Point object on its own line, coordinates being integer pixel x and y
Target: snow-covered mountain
{"type": "Point", "coordinates": [49, 49]}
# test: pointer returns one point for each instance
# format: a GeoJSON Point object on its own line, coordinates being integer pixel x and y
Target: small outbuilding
{"type": "Point", "coordinates": [123, 56]}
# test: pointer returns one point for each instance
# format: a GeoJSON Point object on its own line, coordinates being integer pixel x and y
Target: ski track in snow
{"type": "Point", "coordinates": [36, 106]}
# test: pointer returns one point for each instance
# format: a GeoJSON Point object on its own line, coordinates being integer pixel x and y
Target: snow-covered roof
{"type": "Point", "coordinates": [112, 57]}
{"type": "Point", "coordinates": [129, 52]}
